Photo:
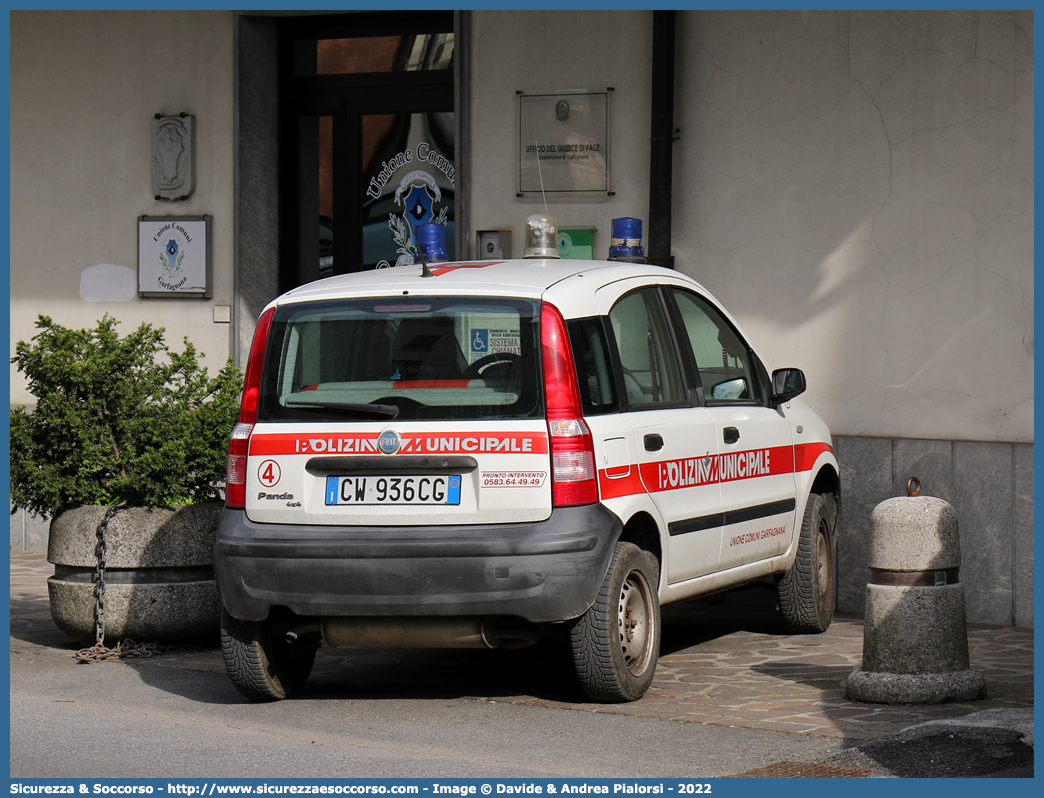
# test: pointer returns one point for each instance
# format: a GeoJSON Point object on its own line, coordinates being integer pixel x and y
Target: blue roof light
{"type": "Point", "coordinates": [626, 242]}
{"type": "Point", "coordinates": [431, 242]}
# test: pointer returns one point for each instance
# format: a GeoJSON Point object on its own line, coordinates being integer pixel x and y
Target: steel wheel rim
{"type": "Point", "coordinates": [635, 620]}
{"type": "Point", "coordinates": [823, 569]}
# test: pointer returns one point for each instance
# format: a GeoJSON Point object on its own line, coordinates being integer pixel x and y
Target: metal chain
{"type": "Point", "coordinates": [128, 648]}
{"type": "Point", "coordinates": [99, 582]}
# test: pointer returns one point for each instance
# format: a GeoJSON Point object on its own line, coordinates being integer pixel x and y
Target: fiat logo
{"type": "Point", "coordinates": [389, 441]}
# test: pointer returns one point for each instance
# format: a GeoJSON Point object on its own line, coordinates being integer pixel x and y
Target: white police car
{"type": "Point", "coordinates": [461, 454]}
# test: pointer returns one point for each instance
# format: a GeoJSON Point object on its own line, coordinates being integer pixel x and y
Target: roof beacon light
{"type": "Point", "coordinates": [431, 242]}
{"type": "Point", "coordinates": [541, 236]}
{"type": "Point", "coordinates": [626, 243]}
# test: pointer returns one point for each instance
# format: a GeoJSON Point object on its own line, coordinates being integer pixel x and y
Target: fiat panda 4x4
{"type": "Point", "coordinates": [471, 453]}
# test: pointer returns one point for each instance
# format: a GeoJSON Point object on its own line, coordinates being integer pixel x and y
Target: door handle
{"type": "Point", "coordinates": [730, 434]}
{"type": "Point", "coordinates": [653, 442]}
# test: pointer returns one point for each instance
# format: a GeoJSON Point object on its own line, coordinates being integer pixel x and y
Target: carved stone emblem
{"type": "Point", "coordinates": [172, 145]}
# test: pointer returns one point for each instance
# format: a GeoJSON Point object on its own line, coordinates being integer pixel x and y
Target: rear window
{"type": "Point", "coordinates": [433, 358]}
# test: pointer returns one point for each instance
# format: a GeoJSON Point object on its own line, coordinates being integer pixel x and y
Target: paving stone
{"type": "Point", "coordinates": [737, 676]}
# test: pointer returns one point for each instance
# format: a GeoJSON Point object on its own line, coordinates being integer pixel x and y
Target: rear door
{"type": "Point", "coordinates": [674, 441]}
{"type": "Point", "coordinates": [400, 411]}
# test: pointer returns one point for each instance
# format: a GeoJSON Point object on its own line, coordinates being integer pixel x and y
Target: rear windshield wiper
{"type": "Point", "coordinates": [356, 407]}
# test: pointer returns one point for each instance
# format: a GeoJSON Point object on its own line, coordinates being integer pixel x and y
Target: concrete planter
{"type": "Point", "coordinates": [159, 574]}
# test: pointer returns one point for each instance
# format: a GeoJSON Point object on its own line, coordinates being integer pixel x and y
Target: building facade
{"type": "Point", "coordinates": [856, 187]}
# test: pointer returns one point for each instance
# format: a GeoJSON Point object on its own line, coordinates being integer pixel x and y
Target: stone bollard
{"type": "Point", "coordinates": [915, 636]}
{"type": "Point", "coordinates": [159, 573]}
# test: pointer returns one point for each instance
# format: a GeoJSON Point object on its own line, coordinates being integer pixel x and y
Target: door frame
{"type": "Point", "coordinates": [347, 98]}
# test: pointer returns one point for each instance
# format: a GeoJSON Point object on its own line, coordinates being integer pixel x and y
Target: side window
{"type": "Point", "coordinates": [594, 370]}
{"type": "Point", "coordinates": [723, 362]}
{"type": "Point", "coordinates": [650, 368]}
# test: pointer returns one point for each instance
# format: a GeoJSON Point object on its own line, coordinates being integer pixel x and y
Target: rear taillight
{"type": "Point", "coordinates": [235, 477]}
{"type": "Point", "coordinates": [574, 477]}
{"type": "Point", "coordinates": [239, 446]}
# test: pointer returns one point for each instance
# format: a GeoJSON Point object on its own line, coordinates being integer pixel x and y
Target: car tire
{"type": "Point", "coordinates": [808, 591]}
{"type": "Point", "coordinates": [263, 666]}
{"type": "Point", "coordinates": [616, 643]}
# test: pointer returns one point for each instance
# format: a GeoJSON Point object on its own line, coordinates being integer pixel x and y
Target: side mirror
{"type": "Point", "coordinates": [786, 384]}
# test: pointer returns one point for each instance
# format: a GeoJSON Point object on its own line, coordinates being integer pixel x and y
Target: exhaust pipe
{"type": "Point", "coordinates": [424, 632]}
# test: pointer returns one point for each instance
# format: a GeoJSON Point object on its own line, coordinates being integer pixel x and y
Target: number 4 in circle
{"type": "Point", "coordinates": [268, 474]}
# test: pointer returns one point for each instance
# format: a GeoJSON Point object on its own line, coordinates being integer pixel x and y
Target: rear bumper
{"type": "Point", "coordinates": [544, 571]}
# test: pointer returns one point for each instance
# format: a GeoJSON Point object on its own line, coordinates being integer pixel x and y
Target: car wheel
{"type": "Point", "coordinates": [262, 664]}
{"type": "Point", "coordinates": [808, 591]}
{"type": "Point", "coordinates": [616, 642]}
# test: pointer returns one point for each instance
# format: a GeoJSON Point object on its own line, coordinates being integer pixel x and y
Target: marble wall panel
{"type": "Point", "coordinates": [28, 533]}
{"type": "Point", "coordinates": [983, 499]}
{"type": "Point", "coordinates": [1023, 534]}
{"type": "Point", "coordinates": [866, 481]}
{"type": "Point", "coordinates": [930, 461]}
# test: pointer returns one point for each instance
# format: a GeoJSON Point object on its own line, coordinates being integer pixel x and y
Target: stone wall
{"type": "Point", "coordinates": [28, 533]}
{"type": "Point", "coordinates": [990, 485]}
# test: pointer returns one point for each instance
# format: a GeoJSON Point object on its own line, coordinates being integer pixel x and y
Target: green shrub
{"type": "Point", "coordinates": [118, 420]}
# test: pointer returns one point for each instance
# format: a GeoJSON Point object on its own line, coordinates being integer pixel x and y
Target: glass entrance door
{"type": "Point", "coordinates": [408, 180]}
{"type": "Point", "coordinates": [368, 141]}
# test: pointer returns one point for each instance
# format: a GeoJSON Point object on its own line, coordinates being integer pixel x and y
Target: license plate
{"type": "Point", "coordinates": [393, 490]}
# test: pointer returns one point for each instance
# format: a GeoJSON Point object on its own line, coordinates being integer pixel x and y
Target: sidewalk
{"type": "Point", "coordinates": [727, 665]}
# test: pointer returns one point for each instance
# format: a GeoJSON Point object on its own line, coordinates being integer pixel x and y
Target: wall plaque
{"type": "Point", "coordinates": [563, 142]}
{"type": "Point", "coordinates": [174, 256]}
{"type": "Point", "coordinates": [173, 142]}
